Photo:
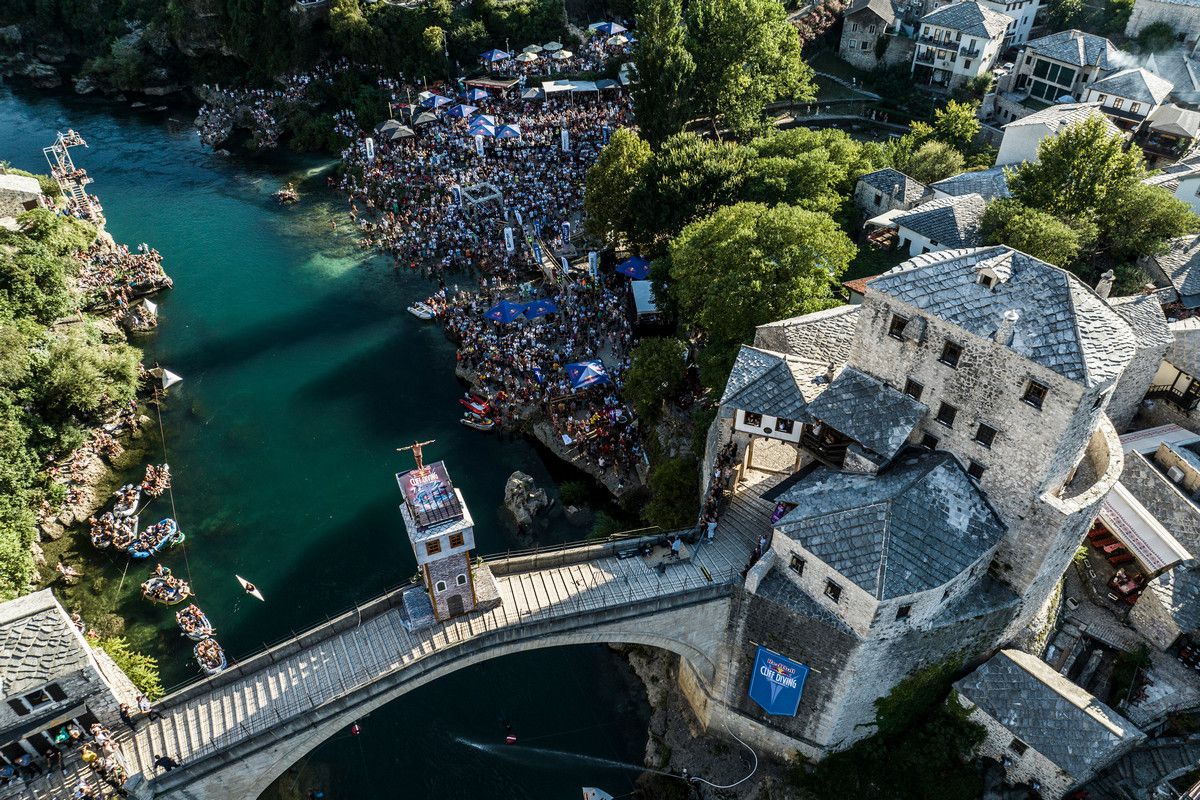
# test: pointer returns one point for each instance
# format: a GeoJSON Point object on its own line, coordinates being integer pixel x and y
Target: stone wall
{"type": "Point", "coordinates": [1161, 498]}
{"type": "Point", "coordinates": [449, 570]}
{"type": "Point", "coordinates": [1152, 619]}
{"type": "Point", "coordinates": [1180, 18]}
{"type": "Point", "coordinates": [1135, 381]}
{"type": "Point", "coordinates": [1019, 768]}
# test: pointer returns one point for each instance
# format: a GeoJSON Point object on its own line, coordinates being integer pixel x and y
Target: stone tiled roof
{"type": "Point", "coordinates": [1063, 115]}
{"type": "Point", "coordinates": [970, 17]}
{"type": "Point", "coordinates": [1062, 325]}
{"type": "Point", "coordinates": [1048, 712]}
{"type": "Point", "coordinates": [1178, 590]}
{"type": "Point", "coordinates": [38, 643]}
{"type": "Point", "coordinates": [989, 184]}
{"type": "Point", "coordinates": [912, 527]}
{"type": "Point", "coordinates": [882, 9]}
{"type": "Point", "coordinates": [779, 385]}
{"type": "Point", "coordinates": [820, 336]}
{"type": "Point", "coordinates": [1176, 121]}
{"type": "Point", "coordinates": [869, 411]}
{"type": "Point", "coordinates": [1145, 317]}
{"type": "Point", "coordinates": [948, 221]}
{"type": "Point", "coordinates": [20, 184]}
{"type": "Point", "coordinates": [885, 180]}
{"type": "Point", "coordinates": [1136, 84]}
{"type": "Point", "coordinates": [1181, 264]}
{"type": "Point", "coordinates": [1077, 48]}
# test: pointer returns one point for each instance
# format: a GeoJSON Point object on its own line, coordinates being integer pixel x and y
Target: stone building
{"type": "Point", "coordinates": [1045, 731]}
{"type": "Point", "coordinates": [18, 194]}
{"type": "Point", "coordinates": [1051, 68]}
{"type": "Point", "coordinates": [865, 28]}
{"type": "Point", "coordinates": [1182, 15]}
{"type": "Point", "coordinates": [990, 184]}
{"type": "Point", "coordinates": [953, 449]}
{"type": "Point", "coordinates": [50, 677]}
{"type": "Point", "coordinates": [1129, 96]}
{"type": "Point", "coordinates": [958, 42]}
{"type": "Point", "coordinates": [942, 224]}
{"type": "Point", "coordinates": [1023, 135]}
{"type": "Point", "coordinates": [1177, 270]}
{"type": "Point", "coordinates": [887, 189]}
{"type": "Point", "coordinates": [1169, 607]}
{"type": "Point", "coordinates": [1021, 13]}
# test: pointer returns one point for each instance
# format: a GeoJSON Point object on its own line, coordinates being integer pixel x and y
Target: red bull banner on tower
{"type": "Point", "coordinates": [777, 683]}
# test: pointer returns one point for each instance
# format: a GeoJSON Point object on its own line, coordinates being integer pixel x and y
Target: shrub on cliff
{"type": "Point", "coordinates": [674, 489]}
{"type": "Point", "coordinates": [141, 669]}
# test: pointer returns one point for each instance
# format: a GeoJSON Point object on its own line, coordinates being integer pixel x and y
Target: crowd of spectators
{"type": "Point", "coordinates": [112, 276]}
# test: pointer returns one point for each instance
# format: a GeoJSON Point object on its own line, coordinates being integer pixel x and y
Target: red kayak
{"type": "Point", "coordinates": [476, 405]}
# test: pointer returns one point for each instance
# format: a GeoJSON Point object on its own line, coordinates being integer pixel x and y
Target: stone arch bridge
{"type": "Point", "coordinates": [237, 732]}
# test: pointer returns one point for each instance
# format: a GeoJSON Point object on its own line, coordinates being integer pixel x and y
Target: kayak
{"type": "Point", "coordinates": [246, 585]}
{"type": "Point", "coordinates": [210, 668]}
{"type": "Point", "coordinates": [421, 311]}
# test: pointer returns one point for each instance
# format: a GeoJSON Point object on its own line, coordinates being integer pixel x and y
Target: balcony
{"type": "Point", "coordinates": [1183, 399]}
{"type": "Point", "coordinates": [828, 445]}
{"type": "Point", "coordinates": [925, 57]}
{"type": "Point", "coordinates": [970, 52]}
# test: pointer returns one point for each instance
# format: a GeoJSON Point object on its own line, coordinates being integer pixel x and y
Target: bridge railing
{"type": "Point", "coordinates": [559, 555]}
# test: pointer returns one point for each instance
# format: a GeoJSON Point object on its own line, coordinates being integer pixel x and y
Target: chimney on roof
{"type": "Point", "coordinates": [1104, 287]}
{"type": "Point", "coordinates": [830, 371]}
{"type": "Point", "coordinates": [1008, 322]}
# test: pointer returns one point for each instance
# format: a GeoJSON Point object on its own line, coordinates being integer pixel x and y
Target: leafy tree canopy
{"type": "Point", "coordinates": [1037, 233]}
{"type": "Point", "coordinates": [611, 181]}
{"type": "Point", "coordinates": [656, 372]}
{"type": "Point", "coordinates": [665, 70]}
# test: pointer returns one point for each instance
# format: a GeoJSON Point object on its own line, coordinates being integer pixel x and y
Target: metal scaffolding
{"type": "Point", "coordinates": [72, 179]}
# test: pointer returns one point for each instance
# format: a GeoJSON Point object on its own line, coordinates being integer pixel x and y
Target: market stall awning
{"type": "Point", "coordinates": [587, 373]}
{"type": "Point", "coordinates": [643, 297]}
{"type": "Point", "coordinates": [562, 85]}
{"type": "Point", "coordinates": [540, 308]}
{"type": "Point", "coordinates": [493, 83]}
{"type": "Point", "coordinates": [1151, 543]}
{"type": "Point", "coordinates": [635, 267]}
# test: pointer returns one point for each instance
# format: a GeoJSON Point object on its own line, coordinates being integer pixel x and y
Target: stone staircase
{"type": "Point", "coordinates": [1139, 772]}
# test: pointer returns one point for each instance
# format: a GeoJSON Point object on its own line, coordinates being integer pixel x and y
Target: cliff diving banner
{"type": "Point", "coordinates": [777, 683]}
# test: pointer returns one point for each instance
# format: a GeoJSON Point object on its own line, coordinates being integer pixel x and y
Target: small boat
{"type": "Point", "coordinates": [210, 656]}
{"type": "Point", "coordinates": [166, 591]}
{"type": "Point", "coordinates": [476, 405]}
{"type": "Point", "coordinates": [156, 538]}
{"type": "Point", "coordinates": [250, 588]}
{"type": "Point", "coordinates": [157, 480]}
{"type": "Point", "coordinates": [127, 500]}
{"type": "Point", "coordinates": [194, 623]}
{"type": "Point", "coordinates": [287, 195]}
{"type": "Point", "coordinates": [422, 311]}
{"type": "Point", "coordinates": [477, 422]}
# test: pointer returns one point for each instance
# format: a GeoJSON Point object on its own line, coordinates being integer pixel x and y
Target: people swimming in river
{"type": "Point", "coordinates": [157, 480]}
{"type": "Point", "coordinates": [67, 571]}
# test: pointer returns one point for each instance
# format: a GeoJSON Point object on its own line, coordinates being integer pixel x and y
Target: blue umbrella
{"type": "Point", "coordinates": [475, 94]}
{"type": "Point", "coordinates": [492, 56]}
{"type": "Point", "coordinates": [435, 101]}
{"type": "Point", "coordinates": [504, 312]}
{"type": "Point", "coordinates": [540, 308]}
{"type": "Point", "coordinates": [486, 119]}
{"type": "Point", "coordinates": [481, 129]}
{"type": "Point", "coordinates": [462, 111]}
{"type": "Point", "coordinates": [587, 373]}
{"type": "Point", "coordinates": [635, 267]}
{"type": "Point", "coordinates": [611, 28]}
{"type": "Point", "coordinates": [508, 132]}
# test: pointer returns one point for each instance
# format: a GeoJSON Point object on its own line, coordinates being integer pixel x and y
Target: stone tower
{"type": "Point", "coordinates": [441, 532]}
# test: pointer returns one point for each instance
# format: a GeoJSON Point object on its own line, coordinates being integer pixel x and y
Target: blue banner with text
{"type": "Point", "coordinates": [777, 683]}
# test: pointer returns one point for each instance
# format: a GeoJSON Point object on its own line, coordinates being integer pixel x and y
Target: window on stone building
{"type": "Point", "coordinates": [1134, 107]}
{"type": "Point", "coordinates": [903, 611]}
{"type": "Point", "coordinates": [1101, 98]}
{"type": "Point", "coordinates": [1035, 394]}
{"type": "Point", "coordinates": [797, 565]}
{"type": "Point", "coordinates": [951, 353]}
{"type": "Point", "coordinates": [946, 414]}
{"type": "Point", "coordinates": [1018, 747]}
{"type": "Point", "coordinates": [929, 441]}
{"type": "Point", "coordinates": [967, 63]}
{"type": "Point", "coordinates": [456, 540]}
{"type": "Point", "coordinates": [433, 547]}
{"type": "Point", "coordinates": [896, 327]}
{"type": "Point", "coordinates": [985, 434]}
{"type": "Point", "coordinates": [752, 420]}
{"type": "Point", "coordinates": [439, 587]}
{"type": "Point", "coordinates": [461, 580]}
{"type": "Point", "coordinates": [870, 29]}
{"type": "Point", "coordinates": [833, 591]}
{"type": "Point", "coordinates": [1118, 102]}
{"type": "Point", "coordinates": [19, 708]}
{"type": "Point", "coordinates": [913, 389]}
{"type": "Point", "coordinates": [784, 425]}
{"type": "Point", "coordinates": [975, 469]}
{"type": "Point", "coordinates": [854, 27]}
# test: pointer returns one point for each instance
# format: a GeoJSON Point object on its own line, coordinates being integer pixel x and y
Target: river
{"type": "Point", "coordinates": [301, 376]}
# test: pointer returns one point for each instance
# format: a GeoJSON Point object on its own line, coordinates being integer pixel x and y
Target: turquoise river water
{"type": "Point", "coordinates": [302, 374]}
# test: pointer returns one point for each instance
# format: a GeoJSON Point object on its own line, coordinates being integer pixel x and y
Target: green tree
{"type": "Point", "coordinates": [611, 181]}
{"type": "Point", "coordinates": [141, 669]}
{"type": "Point", "coordinates": [748, 264]}
{"type": "Point", "coordinates": [747, 55]}
{"type": "Point", "coordinates": [1037, 233]}
{"type": "Point", "coordinates": [33, 283]}
{"type": "Point", "coordinates": [62, 236]}
{"type": "Point", "coordinates": [1156, 37]}
{"type": "Point", "coordinates": [78, 376]}
{"type": "Point", "coordinates": [1142, 220]}
{"type": "Point", "coordinates": [674, 492]}
{"type": "Point", "coordinates": [657, 371]}
{"type": "Point", "coordinates": [433, 39]}
{"type": "Point", "coordinates": [956, 124]}
{"type": "Point", "coordinates": [664, 69]}
{"type": "Point", "coordinates": [932, 161]}
{"type": "Point", "coordinates": [815, 169]}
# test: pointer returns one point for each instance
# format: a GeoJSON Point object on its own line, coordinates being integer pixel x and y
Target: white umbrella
{"type": "Point", "coordinates": [533, 48]}
{"type": "Point", "coordinates": [527, 57]}
{"type": "Point", "coordinates": [616, 41]}
{"type": "Point", "coordinates": [552, 46]}
{"type": "Point", "coordinates": [562, 55]}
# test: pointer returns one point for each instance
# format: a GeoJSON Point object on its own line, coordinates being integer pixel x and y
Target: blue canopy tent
{"type": "Point", "coordinates": [475, 94]}
{"type": "Point", "coordinates": [487, 119]}
{"type": "Point", "coordinates": [492, 56]}
{"type": "Point", "coordinates": [435, 101]}
{"type": "Point", "coordinates": [508, 132]}
{"type": "Point", "coordinates": [587, 373]}
{"type": "Point", "coordinates": [460, 111]}
{"type": "Point", "coordinates": [635, 267]}
{"type": "Point", "coordinates": [540, 308]}
{"type": "Point", "coordinates": [610, 28]}
{"type": "Point", "coordinates": [504, 312]}
{"type": "Point", "coordinates": [481, 129]}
